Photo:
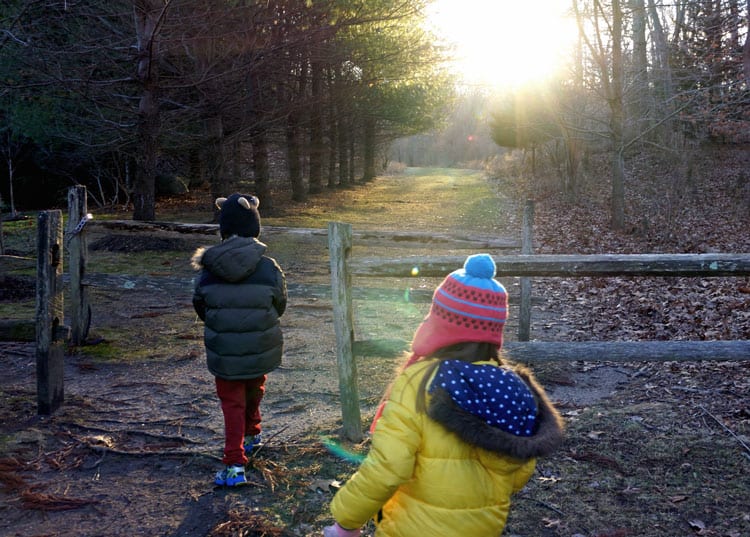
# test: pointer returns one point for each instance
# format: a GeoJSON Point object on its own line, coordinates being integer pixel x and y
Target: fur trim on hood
{"type": "Point", "coordinates": [475, 431]}
{"type": "Point", "coordinates": [197, 260]}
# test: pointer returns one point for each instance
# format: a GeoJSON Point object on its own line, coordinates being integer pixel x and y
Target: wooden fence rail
{"type": "Point", "coordinates": [628, 351]}
{"type": "Point", "coordinates": [549, 265]}
{"type": "Point", "coordinates": [527, 265]}
{"type": "Point", "coordinates": [341, 241]}
{"type": "Point", "coordinates": [395, 238]}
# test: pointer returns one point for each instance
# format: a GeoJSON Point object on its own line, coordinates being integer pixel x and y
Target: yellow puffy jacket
{"type": "Point", "coordinates": [426, 474]}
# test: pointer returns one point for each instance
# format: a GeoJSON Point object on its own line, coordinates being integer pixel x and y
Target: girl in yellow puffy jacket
{"type": "Point", "coordinates": [459, 430]}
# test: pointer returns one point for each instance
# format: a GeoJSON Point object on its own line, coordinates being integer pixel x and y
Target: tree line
{"type": "Point", "coordinates": [645, 75]}
{"type": "Point", "coordinates": [117, 94]}
{"type": "Point", "coordinates": [120, 94]}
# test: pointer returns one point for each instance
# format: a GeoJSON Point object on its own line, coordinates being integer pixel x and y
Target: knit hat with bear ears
{"type": "Point", "coordinates": [468, 306]}
{"type": "Point", "coordinates": [239, 216]}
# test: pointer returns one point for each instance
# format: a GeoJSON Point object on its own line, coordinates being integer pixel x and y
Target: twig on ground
{"type": "Point", "coordinates": [727, 429]}
{"type": "Point", "coordinates": [274, 435]}
{"type": "Point", "coordinates": [100, 448]}
{"type": "Point", "coordinates": [48, 502]}
{"type": "Point", "coordinates": [113, 432]}
{"type": "Point", "coordinates": [544, 504]}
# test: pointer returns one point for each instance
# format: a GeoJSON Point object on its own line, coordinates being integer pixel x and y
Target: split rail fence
{"type": "Point", "coordinates": [52, 334]}
{"type": "Point", "coordinates": [527, 265]}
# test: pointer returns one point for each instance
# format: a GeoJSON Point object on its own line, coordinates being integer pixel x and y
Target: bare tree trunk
{"type": "Point", "coordinates": [293, 139]}
{"type": "Point", "coordinates": [2, 238]}
{"type": "Point", "coordinates": [197, 168]}
{"type": "Point", "coordinates": [316, 130]}
{"type": "Point", "coordinates": [640, 90]}
{"type": "Point", "coordinates": [611, 76]}
{"type": "Point", "coordinates": [572, 162]}
{"type": "Point", "coordinates": [261, 170]}
{"type": "Point", "coordinates": [11, 170]}
{"type": "Point", "coordinates": [352, 153]}
{"type": "Point", "coordinates": [148, 14]}
{"type": "Point", "coordinates": [746, 49]}
{"type": "Point", "coordinates": [332, 152]}
{"type": "Point", "coordinates": [144, 184]}
{"type": "Point", "coordinates": [616, 121]}
{"type": "Point", "coordinates": [662, 71]}
{"type": "Point", "coordinates": [215, 159]}
{"type": "Point", "coordinates": [343, 146]}
{"type": "Point", "coordinates": [368, 153]}
{"type": "Point", "coordinates": [293, 157]}
{"type": "Point", "coordinates": [679, 21]}
{"type": "Point", "coordinates": [233, 162]}
{"type": "Point", "coordinates": [333, 134]}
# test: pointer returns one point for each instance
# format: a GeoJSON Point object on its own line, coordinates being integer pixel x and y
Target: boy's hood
{"type": "Point", "coordinates": [233, 260]}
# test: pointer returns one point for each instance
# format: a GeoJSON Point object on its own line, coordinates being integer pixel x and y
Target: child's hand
{"type": "Point", "coordinates": [337, 531]}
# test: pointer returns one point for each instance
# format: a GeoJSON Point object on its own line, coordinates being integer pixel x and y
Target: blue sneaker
{"type": "Point", "coordinates": [231, 476]}
{"type": "Point", "coordinates": [253, 443]}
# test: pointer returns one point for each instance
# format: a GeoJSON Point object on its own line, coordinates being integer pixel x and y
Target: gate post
{"type": "Point", "coordinates": [80, 309]}
{"type": "Point", "coordinates": [340, 248]}
{"type": "Point", "coordinates": [524, 313]}
{"type": "Point", "coordinates": [49, 312]}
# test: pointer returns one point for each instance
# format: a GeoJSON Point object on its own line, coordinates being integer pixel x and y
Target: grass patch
{"type": "Point", "coordinates": [18, 310]}
{"type": "Point", "coordinates": [163, 263]}
{"type": "Point", "coordinates": [380, 347]}
{"type": "Point", "coordinates": [103, 350]}
{"type": "Point", "coordinates": [19, 237]}
{"type": "Point", "coordinates": [437, 204]}
{"type": "Point", "coordinates": [125, 351]}
{"type": "Point", "coordinates": [18, 274]}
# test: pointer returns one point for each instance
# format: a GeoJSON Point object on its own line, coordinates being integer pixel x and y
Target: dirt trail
{"type": "Point", "coordinates": [133, 450]}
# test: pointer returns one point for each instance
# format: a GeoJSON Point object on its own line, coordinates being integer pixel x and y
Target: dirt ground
{"type": "Point", "coordinates": [653, 449]}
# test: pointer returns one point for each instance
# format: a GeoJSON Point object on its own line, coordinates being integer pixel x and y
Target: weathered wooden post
{"type": "Point", "coordinates": [524, 313]}
{"type": "Point", "coordinates": [340, 247]}
{"type": "Point", "coordinates": [49, 312]}
{"type": "Point", "coordinates": [80, 309]}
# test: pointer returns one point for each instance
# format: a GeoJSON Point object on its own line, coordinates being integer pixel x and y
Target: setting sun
{"type": "Point", "coordinates": [500, 43]}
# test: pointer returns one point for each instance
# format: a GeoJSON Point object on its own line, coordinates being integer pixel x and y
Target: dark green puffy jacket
{"type": "Point", "coordinates": [240, 295]}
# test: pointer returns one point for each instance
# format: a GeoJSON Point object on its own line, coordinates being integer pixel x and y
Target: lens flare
{"type": "Point", "coordinates": [337, 450]}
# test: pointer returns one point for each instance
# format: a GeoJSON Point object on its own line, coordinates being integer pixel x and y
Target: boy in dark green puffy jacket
{"type": "Point", "coordinates": [240, 294]}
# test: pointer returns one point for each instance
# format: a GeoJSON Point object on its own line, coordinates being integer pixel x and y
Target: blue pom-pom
{"type": "Point", "coordinates": [480, 266]}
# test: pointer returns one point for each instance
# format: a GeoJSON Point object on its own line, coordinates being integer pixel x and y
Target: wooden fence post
{"type": "Point", "coordinates": [340, 247]}
{"type": "Point", "coordinates": [524, 313]}
{"type": "Point", "coordinates": [49, 312]}
{"type": "Point", "coordinates": [80, 309]}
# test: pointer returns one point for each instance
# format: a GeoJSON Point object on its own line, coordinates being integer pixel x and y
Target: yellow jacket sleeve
{"type": "Point", "coordinates": [523, 475]}
{"type": "Point", "coordinates": [389, 463]}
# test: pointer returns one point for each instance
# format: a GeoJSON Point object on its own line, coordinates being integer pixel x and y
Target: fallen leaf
{"type": "Point", "coordinates": [322, 486]}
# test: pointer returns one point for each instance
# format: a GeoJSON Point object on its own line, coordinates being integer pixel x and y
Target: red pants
{"type": "Point", "coordinates": [240, 403]}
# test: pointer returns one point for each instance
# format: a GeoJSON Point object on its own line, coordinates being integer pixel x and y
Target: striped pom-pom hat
{"type": "Point", "coordinates": [468, 306]}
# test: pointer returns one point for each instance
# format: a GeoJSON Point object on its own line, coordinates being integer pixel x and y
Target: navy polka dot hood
{"type": "Point", "coordinates": [497, 408]}
{"type": "Point", "coordinates": [497, 396]}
